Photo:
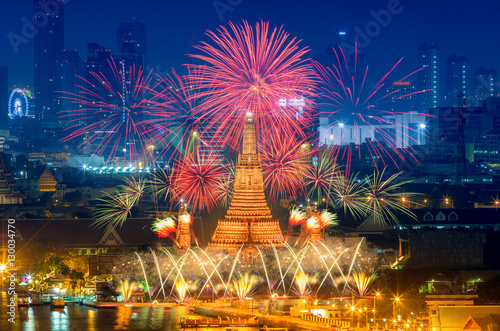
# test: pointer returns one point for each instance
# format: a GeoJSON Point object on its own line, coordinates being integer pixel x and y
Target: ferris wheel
{"type": "Point", "coordinates": [18, 104]}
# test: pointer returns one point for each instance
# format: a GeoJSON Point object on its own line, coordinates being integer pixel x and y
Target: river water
{"type": "Point", "coordinates": [83, 318]}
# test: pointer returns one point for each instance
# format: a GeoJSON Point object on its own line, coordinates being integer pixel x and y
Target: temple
{"type": "Point", "coordinates": [248, 220]}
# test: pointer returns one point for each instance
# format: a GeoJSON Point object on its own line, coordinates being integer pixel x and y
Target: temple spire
{"type": "Point", "coordinates": [248, 219]}
{"type": "Point", "coordinates": [249, 140]}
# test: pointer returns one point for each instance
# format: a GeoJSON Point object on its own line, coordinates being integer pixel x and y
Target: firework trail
{"type": "Point", "coordinates": [126, 288]}
{"type": "Point", "coordinates": [363, 282]}
{"type": "Point", "coordinates": [114, 209]}
{"type": "Point", "coordinates": [249, 69]}
{"type": "Point", "coordinates": [297, 217]}
{"type": "Point", "coordinates": [349, 193]}
{"type": "Point", "coordinates": [385, 196]}
{"type": "Point", "coordinates": [197, 181]}
{"type": "Point", "coordinates": [285, 163]}
{"type": "Point", "coordinates": [244, 285]}
{"type": "Point", "coordinates": [160, 184]}
{"type": "Point", "coordinates": [319, 177]}
{"type": "Point", "coordinates": [164, 228]}
{"type": "Point", "coordinates": [348, 101]}
{"type": "Point", "coordinates": [179, 127]}
{"type": "Point", "coordinates": [113, 114]}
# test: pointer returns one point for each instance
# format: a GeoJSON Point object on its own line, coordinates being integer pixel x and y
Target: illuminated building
{"type": "Point", "coordinates": [49, 45]}
{"type": "Point", "coordinates": [248, 219]}
{"type": "Point", "coordinates": [428, 75]}
{"type": "Point", "coordinates": [458, 80]}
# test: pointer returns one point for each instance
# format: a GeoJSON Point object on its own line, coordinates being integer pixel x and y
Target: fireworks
{"type": "Point", "coordinates": [186, 219]}
{"type": "Point", "coordinates": [344, 88]}
{"type": "Point", "coordinates": [285, 161]}
{"type": "Point", "coordinates": [226, 185]}
{"type": "Point", "coordinates": [363, 282]}
{"type": "Point", "coordinates": [197, 181]}
{"type": "Point", "coordinates": [321, 220]}
{"type": "Point", "coordinates": [181, 290]}
{"type": "Point", "coordinates": [114, 209]}
{"type": "Point", "coordinates": [112, 114]}
{"type": "Point", "coordinates": [297, 217]}
{"type": "Point", "coordinates": [126, 289]}
{"type": "Point", "coordinates": [133, 187]}
{"type": "Point", "coordinates": [178, 97]}
{"type": "Point", "coordinates": [164, 228]}
{"type": "Point", "coordinates": [302, 288]}
{"type": "Point", "coordinates": [244, 285]}
{"type": "Point", "coordinates": [249, 69]}
{"type": "Point", "coordinates": [319, 177]}
{"type": "Point", "coordinates": [349, 193]}
{"type": "Point", "coordinates": [386, 196]}
{"type": "Point", "coordinates": [160, 183]}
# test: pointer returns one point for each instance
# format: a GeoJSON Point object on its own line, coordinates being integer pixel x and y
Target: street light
{"type": "Point", "coordinates": [252, 303]}
{"type": "Point", "coordinates": [377, 294]}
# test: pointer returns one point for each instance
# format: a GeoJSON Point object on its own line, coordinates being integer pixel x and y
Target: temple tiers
{"type": "Point", "coordinates": [248, 219]}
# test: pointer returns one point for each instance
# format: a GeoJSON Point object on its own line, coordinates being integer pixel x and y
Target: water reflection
{"type": "Point", "coordinates": [82, 318]}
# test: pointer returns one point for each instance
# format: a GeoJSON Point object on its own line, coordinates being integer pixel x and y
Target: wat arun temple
{"type": "Point", "coordinates": [248, 221]}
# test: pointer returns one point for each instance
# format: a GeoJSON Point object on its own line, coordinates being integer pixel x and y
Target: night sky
{"type": "Point", "coordinates": [462, 26]}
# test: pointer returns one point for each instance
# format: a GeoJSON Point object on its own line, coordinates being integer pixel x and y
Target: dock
{"type": "Point", "coordinates": [227, 322]}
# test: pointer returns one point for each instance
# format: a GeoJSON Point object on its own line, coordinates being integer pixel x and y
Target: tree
{"type": "Point", "coordinates": [55, 264]}
{"type": "Point", "coordinates": [73, 198]}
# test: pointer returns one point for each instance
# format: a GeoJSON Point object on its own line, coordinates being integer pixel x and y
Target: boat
{"type": "Point", "coordinates": [23, 300]}
{"type": "Point", "coordinates": [57, 302]}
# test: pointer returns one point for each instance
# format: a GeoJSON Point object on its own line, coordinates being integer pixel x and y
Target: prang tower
{"type": "Point", "coordinates": [248, 220]}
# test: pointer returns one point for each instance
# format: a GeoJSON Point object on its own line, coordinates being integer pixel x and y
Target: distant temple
{"type": "Point", "coordinates": [248, 220]}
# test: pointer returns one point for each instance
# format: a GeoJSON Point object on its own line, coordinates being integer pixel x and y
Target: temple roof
{"type": "Point", "coordinates": [249, 201]}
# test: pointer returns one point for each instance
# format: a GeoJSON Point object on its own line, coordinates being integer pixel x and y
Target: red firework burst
{"type": "Point", "coordinates": [112, 112]}
{"type": "Point", "coordinates": [349, 103]}
{"type": "Point", "coordinates": [179, 97]}
{"type": "Point", "coordinates": [164, 227]}
{"type": "Point", "coordinates": [285, 162]}
{"type": "Point", "coordinates": [197, 179]}
{"type": "Point", "coordinates": [249, 69]}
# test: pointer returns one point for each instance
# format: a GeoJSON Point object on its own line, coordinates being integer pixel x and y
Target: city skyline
{"type": "Point", "coordinates": [169, 40]}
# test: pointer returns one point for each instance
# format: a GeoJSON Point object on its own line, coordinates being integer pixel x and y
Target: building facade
{"type": "Point", "coordinates": [49, 46]}
{"type": "Point", "coordinates": [428, 76]}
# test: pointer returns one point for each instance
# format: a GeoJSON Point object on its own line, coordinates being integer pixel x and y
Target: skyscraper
{"type": "Point", "coordinates": [71, 67]}
{"type": "Point", "coordinates": [49, 44]}
{"type": "Point", "coordinates": [484, 85]}
{"type": "Point", "coordinates": [458, 79]}
{"type": "Point", "coordinates": [4, 96]}
{"type": "Point", "coordinates": [131, 43]}
{"type": "Point", "coordinates": [428, 75]}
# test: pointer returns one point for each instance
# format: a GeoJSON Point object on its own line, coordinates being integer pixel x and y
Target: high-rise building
{"type": "Point", "coordinates": [401, 97]}
{"type": "Point", "coordinates": [71, 68]}
{"type": "Point", "coordinates": [4, 97]}
{"type": "Point", "coordinates": [131, 42]}
{"type": "Point", "coordinates": [428, 75]}
{"type": "Point", "coordinates": [49, 46]}
{"type": "Point", "coordinates": [458, 80]}
{"type": "Point", "coordinates": [484, 85]}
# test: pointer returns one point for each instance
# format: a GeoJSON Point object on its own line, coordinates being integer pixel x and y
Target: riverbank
{"type": "Point", "coordinates": [272, 321]}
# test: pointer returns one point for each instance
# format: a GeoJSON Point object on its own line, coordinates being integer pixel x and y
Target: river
{"type": "Point", "coordinates": [83, 318]}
